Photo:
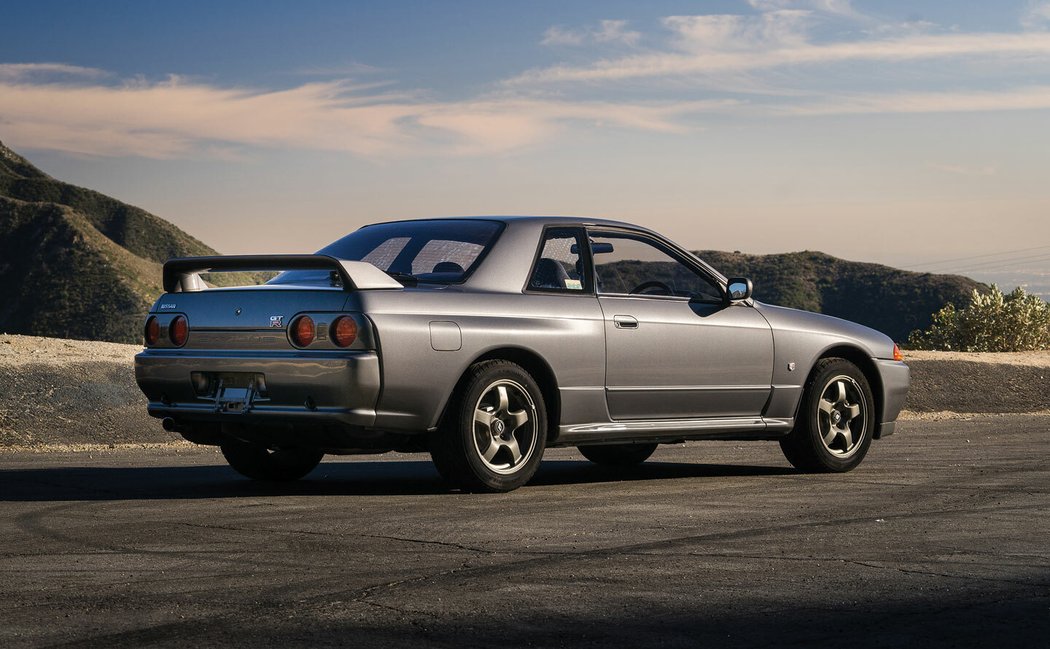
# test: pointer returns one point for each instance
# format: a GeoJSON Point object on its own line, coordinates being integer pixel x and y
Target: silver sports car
{"type": "Point", "coordinates": [484, 341]}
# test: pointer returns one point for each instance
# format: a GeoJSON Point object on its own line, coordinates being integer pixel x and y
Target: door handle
{"type": "Point", "coordinates": [625, 322]}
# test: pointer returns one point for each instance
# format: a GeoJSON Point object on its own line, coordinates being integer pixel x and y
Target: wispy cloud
{"type": "Point", "coordinates": [39, 71]}
{"type": "Point", "coordinates": [607, 31]}
{"type": "Point", "coordinates": [780, 54]}
{"type": "Point", "coordinates": [781, 34]}
{"type": "Point", "coordinates": [736, 43]}
{"type": "Point", "coordinates": [1029, 98]}
{"type": "Point", "coordinates": [177, 117]}
{"type": "Point", "coordinates": [842, 8]}
{"type": "Point", "coordinates": [1036, 15]}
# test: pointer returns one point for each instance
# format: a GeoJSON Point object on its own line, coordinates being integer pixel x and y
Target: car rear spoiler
{"type": "Point", "coordinates": [180, 274]}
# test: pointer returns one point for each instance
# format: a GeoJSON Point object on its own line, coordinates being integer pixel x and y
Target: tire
{"type": "Point", "coordinates": [494, 431]}
{"type": "Point", "coordinates": [260, 463]}
{"type": "Point", "coordinates": [835, 422]}
{"type": "Point", "coordinates": [618, 454]}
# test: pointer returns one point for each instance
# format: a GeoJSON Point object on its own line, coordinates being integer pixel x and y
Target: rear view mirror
{"type": "Point", "coordinates": [738, 288]}
{"type": "Point", "coordinates": [596, 248]}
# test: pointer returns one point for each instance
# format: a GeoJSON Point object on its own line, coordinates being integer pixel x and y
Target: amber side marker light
{"type": "Point", "coordinates": [897, 355]}
{"type": "Point", "coordinates": [344, 331]}
{"type": "Point", "coordinates": [179, 331]}
{"type": "Point", "coordinates": [302, 331]}
{"type": "Point", "coordinates": [152, 330]}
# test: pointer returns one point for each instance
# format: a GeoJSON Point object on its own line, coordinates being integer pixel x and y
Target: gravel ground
{"type": "Point", "coordinates": [68, 392]}
{"type": "Point", "coordinates": [58, 393]}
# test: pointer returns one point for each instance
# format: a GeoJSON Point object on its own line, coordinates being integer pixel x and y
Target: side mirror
{"type": "Point", "coordinates": [738, 288]}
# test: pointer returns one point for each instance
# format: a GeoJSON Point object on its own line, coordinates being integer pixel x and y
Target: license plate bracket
{"type": "Point", "coordinates": [238, 393]}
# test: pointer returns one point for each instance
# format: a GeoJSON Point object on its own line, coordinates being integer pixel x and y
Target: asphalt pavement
{"type": "Point", "coordinates": [940, 538]}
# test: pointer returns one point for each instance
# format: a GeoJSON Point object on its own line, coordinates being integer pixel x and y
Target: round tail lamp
{"type": "Point", "coordinates": [179, 331]}
{"type": "Point", "coordinates": [302, 331]}
{"type": "Point", "coordinates": [152, 331]}
{"type": "Point", "coordinates": [344, 331]}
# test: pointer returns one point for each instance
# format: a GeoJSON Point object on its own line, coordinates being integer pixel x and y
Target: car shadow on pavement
{"type": "Point", "coordinates": [340, 478]}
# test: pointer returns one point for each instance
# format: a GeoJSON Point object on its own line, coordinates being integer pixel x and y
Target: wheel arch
{"type": "Point", "coordinates": [532, 363]}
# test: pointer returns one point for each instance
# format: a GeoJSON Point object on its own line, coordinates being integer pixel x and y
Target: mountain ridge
{"type": "Point", "coordinates": [75, 263]}
{"type": "Point", "coordinates": [892, 300]}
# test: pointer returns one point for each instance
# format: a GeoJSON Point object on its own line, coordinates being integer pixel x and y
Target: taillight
{"type": "Point", "coordinates": [897, 355]}
{"type": "Point", "coordinates": [344, 331]}
{"type": "Point", "coordinates": [302, 331]}
{"type": "Point", "coordinates": [179, 331]}
{"type": "Point", "coordinates": [152, 330]}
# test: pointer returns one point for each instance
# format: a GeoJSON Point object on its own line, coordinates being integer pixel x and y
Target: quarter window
{"type": "Point", "coordinates": [559, 266]}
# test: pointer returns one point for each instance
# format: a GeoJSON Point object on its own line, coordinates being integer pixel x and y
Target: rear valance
{"type": "Point", "coordinates": [181, 274]}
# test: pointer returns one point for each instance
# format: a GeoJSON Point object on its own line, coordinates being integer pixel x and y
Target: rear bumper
{"type": "Point", "coordinates": [327, 388]}
{"type": "Point", "coordinates": [896, 378]}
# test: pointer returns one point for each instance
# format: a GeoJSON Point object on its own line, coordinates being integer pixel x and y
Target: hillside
{"type": "Point", "coordinates": [131, 228]}
{"type": "Point", "coordinates": [75, 263]}
{"type": "Point", "coordinates": [891, 300]}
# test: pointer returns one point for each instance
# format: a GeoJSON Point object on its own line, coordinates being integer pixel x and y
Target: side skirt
{"type": "Point", "coordinates": [673, 430]}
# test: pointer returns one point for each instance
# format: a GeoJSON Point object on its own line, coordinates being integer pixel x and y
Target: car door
{"type": "Point", "coordinates": [674, 349]}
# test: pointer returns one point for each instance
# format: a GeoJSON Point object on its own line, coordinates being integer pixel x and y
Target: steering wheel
{"type": "Point", "coordinates": [644, 286]}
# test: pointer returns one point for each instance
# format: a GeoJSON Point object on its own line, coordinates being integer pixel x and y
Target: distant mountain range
{"type": "Point", "coordinates": [75, 263]}
{"type": "Point", "coordinates": [894, 301]}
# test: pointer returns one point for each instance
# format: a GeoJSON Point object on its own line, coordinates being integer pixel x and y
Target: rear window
{"type": "Point", "coordinates": [441, 251]}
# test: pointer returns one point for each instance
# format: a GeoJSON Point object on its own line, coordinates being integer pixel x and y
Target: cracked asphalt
{"type": "Point", "coordinates": [940, 538]}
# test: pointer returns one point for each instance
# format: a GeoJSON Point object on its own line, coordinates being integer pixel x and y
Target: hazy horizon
{"type": "Point", "coordinates": [907, 133]}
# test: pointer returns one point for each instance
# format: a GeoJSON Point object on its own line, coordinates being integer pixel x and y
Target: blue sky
{"type": "Point", "coordinates": [910, 133]}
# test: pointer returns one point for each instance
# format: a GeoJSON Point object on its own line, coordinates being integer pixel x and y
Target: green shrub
{"type": "Point", "coordinates": [993, 322]}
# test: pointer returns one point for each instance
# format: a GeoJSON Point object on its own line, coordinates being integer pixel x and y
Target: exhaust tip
{"type": "Point", "coordinates": [169, 424]}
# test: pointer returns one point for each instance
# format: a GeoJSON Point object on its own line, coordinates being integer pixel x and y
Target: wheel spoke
{"type": "Point", "coordinates": [515, 451]}
{"type": "Point", "coordinates": [847, 434]}
{"type": "Point", "coordinates": [518, 419]}
{"type": "Point", "coordinates": [854, 411]}
{"type": "Point", "coordinates": [829, 437]}
{"type": "Point", "coordinates": [504, 400]}
{"type": "Point", "coordinates": [484, 418]}
{"type": "Point", "coordinates": [840, 391]}
{"type": "Point", "coordinates": [491, 451]}
{"type": "Point", "coordinates": [825, 406]}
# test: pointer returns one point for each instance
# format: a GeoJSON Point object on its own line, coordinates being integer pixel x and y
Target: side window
{"type": "Point", "coordinates": [559, 266]}
{"type": "Point", "coordinates": [629, 264]}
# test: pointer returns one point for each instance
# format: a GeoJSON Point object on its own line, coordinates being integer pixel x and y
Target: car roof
{"type": "Point", "coordinates": [542, 220]}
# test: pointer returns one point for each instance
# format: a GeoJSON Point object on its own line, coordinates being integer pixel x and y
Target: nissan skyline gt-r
{"type": "Point", "coordinates": [484, 341]}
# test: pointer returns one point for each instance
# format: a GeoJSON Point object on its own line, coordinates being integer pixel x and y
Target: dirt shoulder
{"type": "Point", "coordinates": [82, 394]}
{"type": "Point", "coordinates": [1026, 359]}
{"type": "Point", "coordinates": [969, 382]}
{"type": "Point", "coordinates": [71, 392]}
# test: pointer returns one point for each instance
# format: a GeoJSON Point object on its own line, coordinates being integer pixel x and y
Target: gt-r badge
{"type": "Point", "coordinates": [277, 321]}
